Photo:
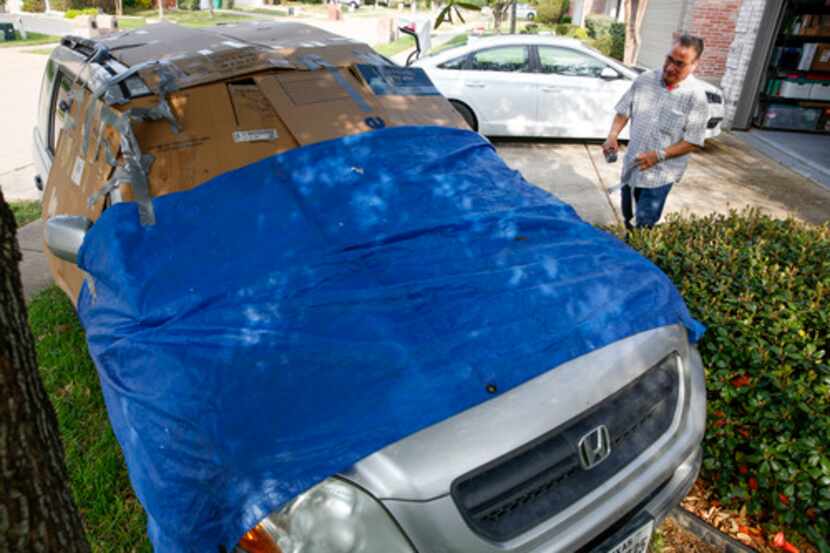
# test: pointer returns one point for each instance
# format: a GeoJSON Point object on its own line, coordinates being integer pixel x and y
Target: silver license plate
{"type": "Point", "coordinates": [637, 541]}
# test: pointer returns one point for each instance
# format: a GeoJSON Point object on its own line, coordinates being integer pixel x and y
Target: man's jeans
{"type": "Point", "coordinates": [650, 202]}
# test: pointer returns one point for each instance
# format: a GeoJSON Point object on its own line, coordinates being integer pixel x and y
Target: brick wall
{"type": "Point", "coordinates": [715, 22]}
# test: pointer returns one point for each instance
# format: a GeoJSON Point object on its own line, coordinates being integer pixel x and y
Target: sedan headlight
{"type": "Point", "coordinates": [332, 517]}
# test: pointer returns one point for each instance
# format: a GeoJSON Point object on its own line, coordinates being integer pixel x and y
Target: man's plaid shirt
{"type": "Point", "coordinates": [658, 119]}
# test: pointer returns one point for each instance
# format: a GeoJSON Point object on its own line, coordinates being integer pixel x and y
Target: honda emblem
{"type": "Point", "coordinates": [594, 447]}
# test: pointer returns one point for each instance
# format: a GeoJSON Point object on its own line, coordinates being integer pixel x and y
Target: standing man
{"type": "Point", "coordinates": [668, 113]}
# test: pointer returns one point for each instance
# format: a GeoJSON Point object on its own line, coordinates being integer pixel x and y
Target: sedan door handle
{"type": "Point", "coordinates": [474, 84]}
{"type": "Point", "coordinates": [551, 88]}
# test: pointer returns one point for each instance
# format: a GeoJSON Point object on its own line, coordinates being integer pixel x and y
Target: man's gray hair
{"type": "Point", "coordinates": [690, 41]}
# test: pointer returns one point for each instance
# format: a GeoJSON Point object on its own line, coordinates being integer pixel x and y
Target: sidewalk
{"type": "Point", "coordinates": [34, 269]}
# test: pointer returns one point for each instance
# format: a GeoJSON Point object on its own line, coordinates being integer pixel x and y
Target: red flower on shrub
{"type": "Point", "coordinates": [753, 483]}
{"type": "Point", "coordinates": [741, 381]}
{"type": "Point", "coordinates": [781, 542]}
{"type": "Point", "coordinates": [743, 469]}
{"type": "Point", "coordinates": [743, 432]}
{"type": "Point", "coordinates": [784, 499]}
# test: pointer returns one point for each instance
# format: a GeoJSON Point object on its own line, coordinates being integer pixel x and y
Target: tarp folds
{"type": "Point", "coordinates": [284, 320]}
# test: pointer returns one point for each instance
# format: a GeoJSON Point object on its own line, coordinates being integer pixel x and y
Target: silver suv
{"type": "Point", "coordinates": [588, 456]}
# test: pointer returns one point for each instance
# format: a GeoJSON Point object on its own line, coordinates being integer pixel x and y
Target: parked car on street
{"type": "Point", "coordinates": [528, 85]}
{"type": "Point", "coordinates": [328, 317]}
{"type": "Point", "coordinates": [353, 4]}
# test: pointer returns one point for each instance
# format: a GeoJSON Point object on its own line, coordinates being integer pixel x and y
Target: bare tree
{"type": "Point", "coordinates": [634, 12]}
{"type": "Point", "coordinates": [37, 512]}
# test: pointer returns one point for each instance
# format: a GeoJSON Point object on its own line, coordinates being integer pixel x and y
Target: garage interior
{"type": "Point", "coordinates": [786, 107]}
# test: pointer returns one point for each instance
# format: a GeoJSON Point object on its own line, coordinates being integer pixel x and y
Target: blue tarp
{"type": "Point", "coordinates": [284, 320]}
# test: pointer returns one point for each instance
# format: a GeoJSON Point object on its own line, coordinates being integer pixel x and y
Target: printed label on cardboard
{"type": "Point", "coordinates": [78, 171]}
{"type": "Point", "coordinates": [397, 81]}
{"type": "Point", "coordinates": [258, 135]}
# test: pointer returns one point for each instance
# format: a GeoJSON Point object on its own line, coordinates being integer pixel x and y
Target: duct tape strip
{"type": "Point", "coordinates": [75, 94]}
{"type": "Point", "coordinates": [314, 62]}
{"type": "Point", "coordinates": [136, 166]}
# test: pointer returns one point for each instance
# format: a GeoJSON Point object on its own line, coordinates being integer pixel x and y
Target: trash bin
{"type": "Point", "coordinates": [7, 31]}
{"type": "Point", "coordinates": [217, 4]}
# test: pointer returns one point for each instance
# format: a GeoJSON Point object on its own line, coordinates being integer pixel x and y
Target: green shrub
{"type": "Point", "coordinates": [530, 29]}
{"type": "Point", "coordinates": [566, 19]}
{"type": "Point", "coordinates": [564, 28]}
{"type": "Point", "coordinates": [577, 32]}
{"type": "Point", "coordinates": [140, 4]}
{"type": "Point", "coordinates": [549, 11]}
{"type": "Point", "coordinates": [191, 5]}
{"type": "Point", "coordinates": [604, 44]}
{"type": "Point", "coordinates": [33, 6]}
{"type": "Point", "coordinates": [617, 34]}
{"type": "Point", "coordinates": [598, 25]}
{"type": "Point", "coordinates": [73, 13]}
{"type": "Point", "coordinates": [762, 287]}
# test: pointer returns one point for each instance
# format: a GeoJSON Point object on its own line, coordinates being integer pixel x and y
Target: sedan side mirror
{"type": "Point", "coordinates": [65, 234]}
{"type": "Point", "coordinates": [609, 74]}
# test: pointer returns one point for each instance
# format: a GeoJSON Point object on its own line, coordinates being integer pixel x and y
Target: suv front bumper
{"type": "Point", "coordinates": [653, 484]}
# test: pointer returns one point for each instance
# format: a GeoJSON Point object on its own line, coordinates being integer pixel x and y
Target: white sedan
{"type": "Point", "coordinates": [529, 85]}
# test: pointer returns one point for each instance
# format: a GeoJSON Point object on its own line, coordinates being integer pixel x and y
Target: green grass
{"type": "Point", "coordinates": [32, 39]}
{"type": "Point", "coordinates": [265, 11]}
{"type": "Point", "coordinates": [113, 518]}
{"type": "Point", "coordinates": [40, 51]}
{"type": "Point", "coordinates": [454, 42]}
{"type": "Point", "coordinates": [396, 47]}
{"type": "Point", "coordinates": [198, 18]}
{"type": "Point", "coordinates": [25, 212]}
{"type": "Point", "coordinates": [130, 23]}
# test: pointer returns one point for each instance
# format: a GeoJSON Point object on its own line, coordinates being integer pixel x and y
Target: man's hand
{"type": "Point", "coordinates": [646, 160]}
{"type": "Point", "coordinates": [610, 145]}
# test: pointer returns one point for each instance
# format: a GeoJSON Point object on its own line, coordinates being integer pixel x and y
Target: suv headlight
{"type": "Point", "coordinates": [332, 517]}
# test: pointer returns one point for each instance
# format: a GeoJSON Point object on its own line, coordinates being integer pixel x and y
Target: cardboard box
{"type": "Point", "coordinates": [241, 93]}
{"type": "Point", "coordinates": [821, 60]}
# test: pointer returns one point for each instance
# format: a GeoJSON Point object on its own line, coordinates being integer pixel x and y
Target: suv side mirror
{"type": "Point", "coordinates": [65, 234]}
{"type": "Point", "coordinates": [608, 74]}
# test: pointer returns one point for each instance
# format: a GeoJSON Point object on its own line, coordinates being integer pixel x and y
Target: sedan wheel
{"type": "Point", "coordinates": [466, 113]}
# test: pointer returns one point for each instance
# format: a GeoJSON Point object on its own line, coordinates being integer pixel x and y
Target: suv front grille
{"type": "Point", "coordinates": [501, 500]}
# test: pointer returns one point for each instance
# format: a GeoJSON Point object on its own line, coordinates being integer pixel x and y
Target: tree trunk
{"type": "Point", "coordinates": [37, 512]}
{"type": "Point", "coordinates": [119, 7]}
{"type": "Point", "coordinates": [634, 12]}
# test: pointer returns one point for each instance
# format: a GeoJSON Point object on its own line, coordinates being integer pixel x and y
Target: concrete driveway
{"type": "Point", "coordinates": [727, 174]}
{"type": "Point", "coordinates": [22, 73]}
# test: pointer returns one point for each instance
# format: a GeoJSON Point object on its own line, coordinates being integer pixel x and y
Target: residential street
{"type": "Point", "coordinates": [19, 95]}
